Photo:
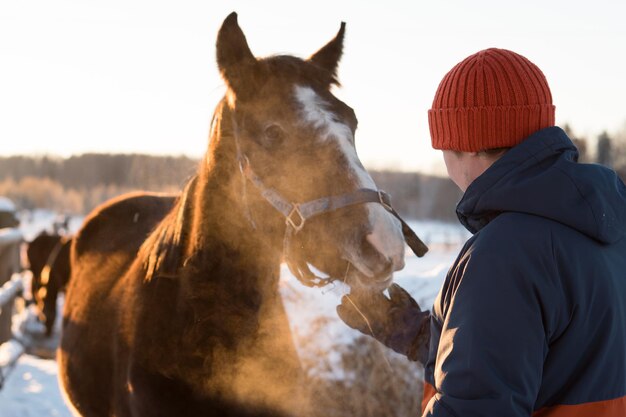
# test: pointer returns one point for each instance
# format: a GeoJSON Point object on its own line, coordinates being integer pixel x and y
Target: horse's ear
{"type": "Point", "coordinates": [329, 55]}
{"type": "Point", "coordinates": [234, 59]}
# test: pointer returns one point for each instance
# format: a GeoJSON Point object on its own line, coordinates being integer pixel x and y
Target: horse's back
{"type": "Point", "coordinates": [122, 224]}
{"type": "Point", "coordinates": [107, 245]}
{"type": "Point", "coordinates": [103, 252]}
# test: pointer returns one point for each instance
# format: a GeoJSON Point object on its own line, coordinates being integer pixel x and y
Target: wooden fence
{"type": "Point", "coordinates": [10, 287]}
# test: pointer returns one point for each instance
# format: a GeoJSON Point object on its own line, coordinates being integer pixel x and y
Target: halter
{"type": "Point", "coordinates": [297, 214]}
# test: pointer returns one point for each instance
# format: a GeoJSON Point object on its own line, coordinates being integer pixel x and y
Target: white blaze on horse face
{"type": "Point", "coordinates": [315, 112]}
{"type": "Point", "coordinates": [386, 231]}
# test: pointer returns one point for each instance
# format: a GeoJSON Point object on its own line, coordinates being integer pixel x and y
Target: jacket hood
{"type": "Point", "coordinates": [541, 176]}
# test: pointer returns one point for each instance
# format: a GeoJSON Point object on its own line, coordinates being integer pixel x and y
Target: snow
{"type": "Point", "coordinates": [6, 205]}
{"type": "Point", "coordinates": [9, 289]}
{"type": "Point", "coordinates": [9, 351]}
{"type": "Point", "coordinates": [36, 221]}
{"type": "Point", "coordinates": [32, 389]}
{"type": "Point", "coordinates": [10, 236]}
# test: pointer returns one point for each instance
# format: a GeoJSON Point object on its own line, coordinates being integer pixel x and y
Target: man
{"type": "Point", "coordinates": [531, 318]}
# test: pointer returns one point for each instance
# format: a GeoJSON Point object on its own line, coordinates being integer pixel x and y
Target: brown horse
{"type": "Point", "coordinates": [173, 306]}
{"type": "Point", "coordinates": [48, 255]}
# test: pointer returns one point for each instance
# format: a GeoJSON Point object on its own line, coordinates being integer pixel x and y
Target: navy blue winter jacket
{"type": "Point", "coordinates": [531, 319]}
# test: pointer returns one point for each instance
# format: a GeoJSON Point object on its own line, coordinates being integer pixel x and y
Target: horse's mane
{"type": "Point", "coordinates": [163, 251]}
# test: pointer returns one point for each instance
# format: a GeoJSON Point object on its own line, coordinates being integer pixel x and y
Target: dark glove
{"type": "Point", "coordinates": [397, 321]}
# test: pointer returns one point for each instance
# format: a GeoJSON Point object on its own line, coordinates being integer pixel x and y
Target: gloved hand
{"type": "Point", "coordinates": [397, 321]}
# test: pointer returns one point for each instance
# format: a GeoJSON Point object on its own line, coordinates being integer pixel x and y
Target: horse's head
{"type": "Point", "coordinates": [296, 138]}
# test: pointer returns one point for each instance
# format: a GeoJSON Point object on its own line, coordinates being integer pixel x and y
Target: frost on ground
{"type": "Point", "coordinates": [32, 390]}
{"type": "Point", "coordinates": [322, 339]}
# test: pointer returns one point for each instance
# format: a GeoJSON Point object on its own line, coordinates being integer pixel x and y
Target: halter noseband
{"type": "Point", "coordinates": [297, 214]}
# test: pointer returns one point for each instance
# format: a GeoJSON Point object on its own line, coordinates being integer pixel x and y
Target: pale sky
{"type": "Point", "coordinates": [140, 75]}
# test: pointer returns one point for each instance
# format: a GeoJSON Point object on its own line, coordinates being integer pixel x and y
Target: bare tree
{"type": "Point", "coordinates": [604, 155]}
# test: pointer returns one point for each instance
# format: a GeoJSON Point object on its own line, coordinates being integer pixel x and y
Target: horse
{"type": "Point", "coordinates": [173, 306]}
{"type": "Point", "coordinates": [48, 255]}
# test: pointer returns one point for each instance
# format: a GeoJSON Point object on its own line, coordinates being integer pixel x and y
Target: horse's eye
{"type": "Point", "coordinates": [274, 135]}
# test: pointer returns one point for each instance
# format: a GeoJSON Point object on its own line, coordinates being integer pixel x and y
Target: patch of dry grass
{"type": "Point", "coordinates": [364, 379]}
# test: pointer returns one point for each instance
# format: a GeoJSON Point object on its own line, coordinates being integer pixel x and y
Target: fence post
{"type": "Point", "coordinates": [10, 241]}
{"type": "Point", "coordinates": [10, 287]}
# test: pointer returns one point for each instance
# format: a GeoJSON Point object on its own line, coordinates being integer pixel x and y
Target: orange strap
{"type": "Point", "coordinates": [429, 392]}
{"type": "Point", "coordinates": [607, 408]}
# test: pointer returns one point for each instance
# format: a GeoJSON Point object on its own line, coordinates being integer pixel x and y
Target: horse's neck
{"type": "Point", "coordinates": [222, 218]}
{"type": "Point", "coordinates": [224, 248]}
{"type": "Point", "coordinates": [230, 284]}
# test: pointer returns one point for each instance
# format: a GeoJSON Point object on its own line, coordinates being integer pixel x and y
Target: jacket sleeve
{"type": "Point", "coordinates": [492, 347]}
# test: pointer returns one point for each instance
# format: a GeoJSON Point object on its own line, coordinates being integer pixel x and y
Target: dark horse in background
{"type": "Point", "coordinates": [48, 257]}
{"type": "Point", "coordinates": [173, 306]}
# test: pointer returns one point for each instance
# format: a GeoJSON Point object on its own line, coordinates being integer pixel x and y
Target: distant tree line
{"type": "Point", "coordinates": [419, 196]}
{"type": "Point", "coordinates": [91, 170]}
{"type": "Point", "coordinates": [608, 149]}
{"type": "Point", "coordinates": [79, 183]}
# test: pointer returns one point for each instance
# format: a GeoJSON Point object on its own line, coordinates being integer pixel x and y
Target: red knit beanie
{"type": "Point", "coordinates": [492, 99]}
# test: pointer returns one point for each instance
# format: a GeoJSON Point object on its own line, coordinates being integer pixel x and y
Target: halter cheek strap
{"type": "Point", "coordinates": [296, 215]}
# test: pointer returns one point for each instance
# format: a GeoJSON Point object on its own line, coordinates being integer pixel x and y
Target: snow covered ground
{"type": "Point", "coordinates": [32, 389]}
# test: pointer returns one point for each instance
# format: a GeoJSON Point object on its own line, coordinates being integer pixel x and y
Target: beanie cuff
{"type": "Point", "coordinates": [473, 129]}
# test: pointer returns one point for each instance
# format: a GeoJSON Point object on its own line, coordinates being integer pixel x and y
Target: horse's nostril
{"type": "Point", "coordinates": [387, 242]}
{"type": "Point", "coordinates": [380, 265]}
{"type": "Point", "coordinates": [385, 272]}
{"type": "Point", "coordinates": [388, 260]}
{"type": "Point", "coordinates": [398, 263]}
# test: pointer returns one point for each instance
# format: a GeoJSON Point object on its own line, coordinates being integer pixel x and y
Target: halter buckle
{"type": "Point", "coordinates": [298, 224]}
{"type": "Point", "coordinates": [381, 200]}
